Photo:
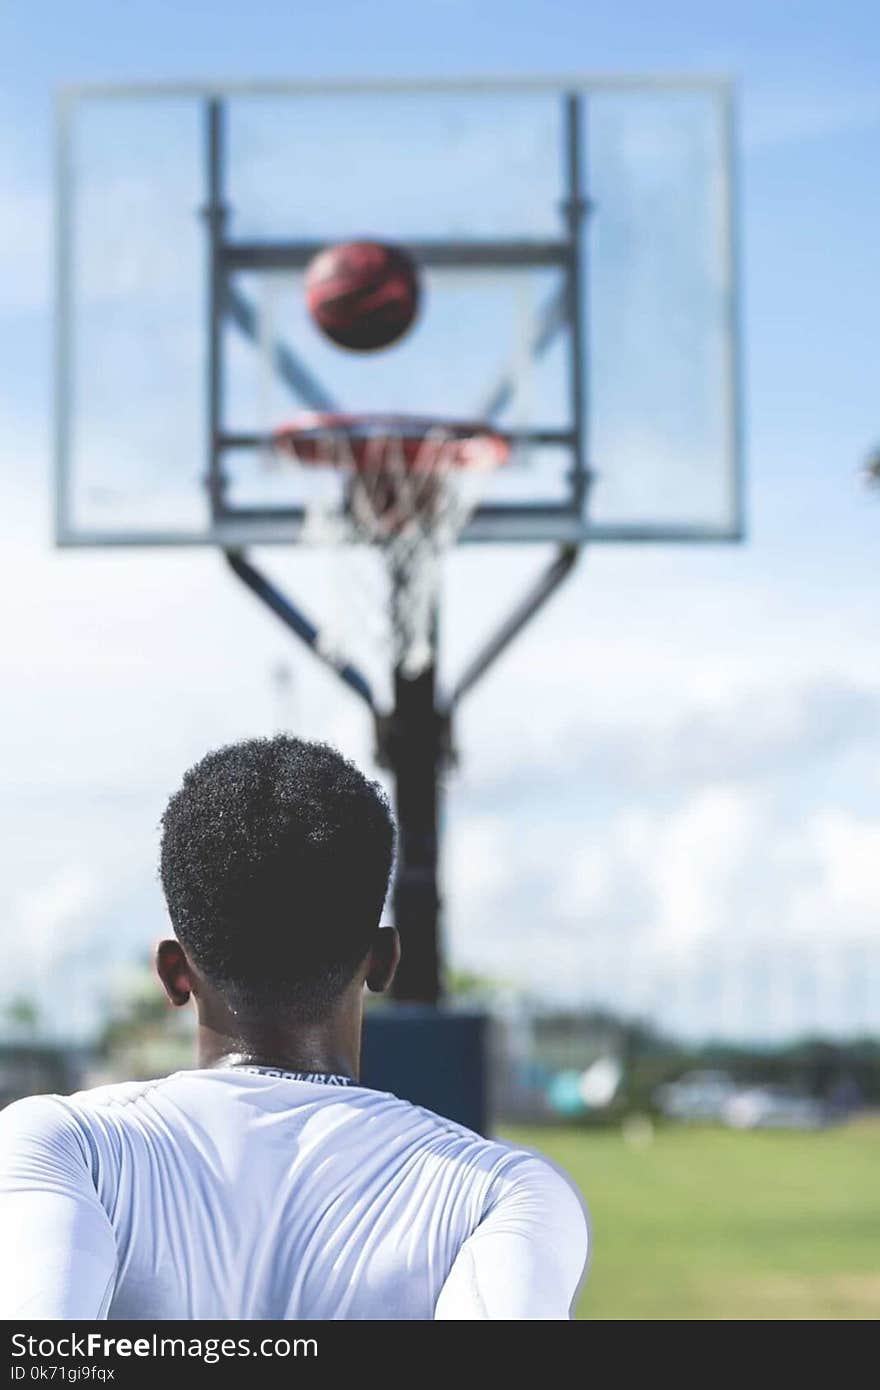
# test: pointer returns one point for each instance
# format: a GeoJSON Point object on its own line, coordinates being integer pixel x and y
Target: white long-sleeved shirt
{"type": "Point", "coordinates": [246, 1194]}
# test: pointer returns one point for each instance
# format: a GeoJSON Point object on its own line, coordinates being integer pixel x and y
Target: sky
{"type": "Point", "coordinates": [668, 795]}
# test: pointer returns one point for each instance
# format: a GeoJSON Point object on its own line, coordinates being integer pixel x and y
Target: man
{"type": "Point", "coordinates": [267, 1183]}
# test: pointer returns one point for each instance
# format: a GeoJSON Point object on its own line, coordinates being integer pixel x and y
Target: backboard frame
{"type": "Point", "coordinates": [234, 526]}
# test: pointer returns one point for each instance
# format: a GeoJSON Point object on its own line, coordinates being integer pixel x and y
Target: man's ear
{"type": "Point", "coordinates": [383, 960]}
{"type": "Point", "coordinates": [175, 972]}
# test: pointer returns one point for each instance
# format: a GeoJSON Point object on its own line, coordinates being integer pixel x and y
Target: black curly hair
{"type": "Point", "coordinates": [275, 860]}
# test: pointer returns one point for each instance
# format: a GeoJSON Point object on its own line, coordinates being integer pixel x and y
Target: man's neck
{"type": "Point", "coordinates": [330, 1047]}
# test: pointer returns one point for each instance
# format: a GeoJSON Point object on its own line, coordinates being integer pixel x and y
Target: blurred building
{"type": "Point", "coordinates": [34, 1068]}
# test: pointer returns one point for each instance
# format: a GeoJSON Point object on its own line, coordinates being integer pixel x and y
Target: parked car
{"type": "Point", "coordinates": [696, 1096]}
{"type": "Point", "coordinates": [772, 1107]}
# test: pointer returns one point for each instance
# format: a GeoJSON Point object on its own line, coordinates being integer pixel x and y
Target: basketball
{"type": "Point", "coordinates": [363, 295]}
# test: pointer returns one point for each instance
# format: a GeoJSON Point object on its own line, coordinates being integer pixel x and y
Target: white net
{"type": "Point", "coordinates": [408, 487]}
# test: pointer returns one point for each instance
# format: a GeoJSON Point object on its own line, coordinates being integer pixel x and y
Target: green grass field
{"type": "Point", "coordinates": [706, 1223]}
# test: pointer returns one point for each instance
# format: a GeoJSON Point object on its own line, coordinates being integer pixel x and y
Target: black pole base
{"type": "Point", "coordinates": [434, 1059]}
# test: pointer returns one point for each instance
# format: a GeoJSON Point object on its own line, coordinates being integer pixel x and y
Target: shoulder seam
{"type": "Point", "coordinates": [146, 1088]}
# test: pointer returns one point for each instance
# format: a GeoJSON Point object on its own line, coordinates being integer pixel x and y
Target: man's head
{"type": "Point", "coordinates": [275, 860]}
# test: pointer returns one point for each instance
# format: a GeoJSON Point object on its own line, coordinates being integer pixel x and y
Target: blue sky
{"type": "Point", "coordinates": [672, 782]}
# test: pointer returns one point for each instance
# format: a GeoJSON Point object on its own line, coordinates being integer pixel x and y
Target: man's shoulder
{"type": "Point", "coordinates": [440, 1127]}
{"type": "Point", "coordinates": [506, 1165]}
{"type": "Point", "coordinates": [55, 1115]}
{"type": "Point", "coordinates": [530, 1174]}
{"type": "Point", "coordinates": [46, 1114]}
{"type": "Point", "coordinates": [41, 1129]}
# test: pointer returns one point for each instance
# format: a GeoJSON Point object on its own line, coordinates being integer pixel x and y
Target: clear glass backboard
{"type": "Point", "coordinates": [575, 242]}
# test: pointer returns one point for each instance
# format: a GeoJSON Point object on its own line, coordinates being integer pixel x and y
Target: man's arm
{"type": "Point", "coordinates": [527, 1258]}
{"type": "Point", "coordinates": [58, 1250]}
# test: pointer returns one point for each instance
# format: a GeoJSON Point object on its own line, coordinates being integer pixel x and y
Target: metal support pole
{"type": "Point", "coordinates": [415, 747]}
{"type": "Point", "coordinates": [297, 621]}
{"type": "Point", "coordinates": [215, 213]}
{"type": "Point", "coordinates": [575, 209]}
{"type": "Point", "coordinates": [535, 599]}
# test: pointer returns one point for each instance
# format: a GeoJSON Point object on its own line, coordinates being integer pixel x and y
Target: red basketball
{"type": "Point", "coordinates": [363, 295]}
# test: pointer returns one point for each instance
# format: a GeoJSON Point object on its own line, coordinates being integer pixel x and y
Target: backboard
{"type": "Point", "coordinates": [575, 240]}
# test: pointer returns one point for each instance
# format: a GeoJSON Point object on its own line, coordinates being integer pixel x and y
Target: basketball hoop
{"type": "Point", "coordinates": [409, 486]}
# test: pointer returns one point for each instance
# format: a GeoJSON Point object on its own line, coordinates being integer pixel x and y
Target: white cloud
{"type": "Point", "coordinates": [691, 860]}
{"type": "Point", "coordinates": [46, 914]}
{"type": "Point", "coordinates": [717, 911]}
{"type": "Point", "coordinates": [846, 850]}
{"type": "Point", "coordinates": [49, 927]}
